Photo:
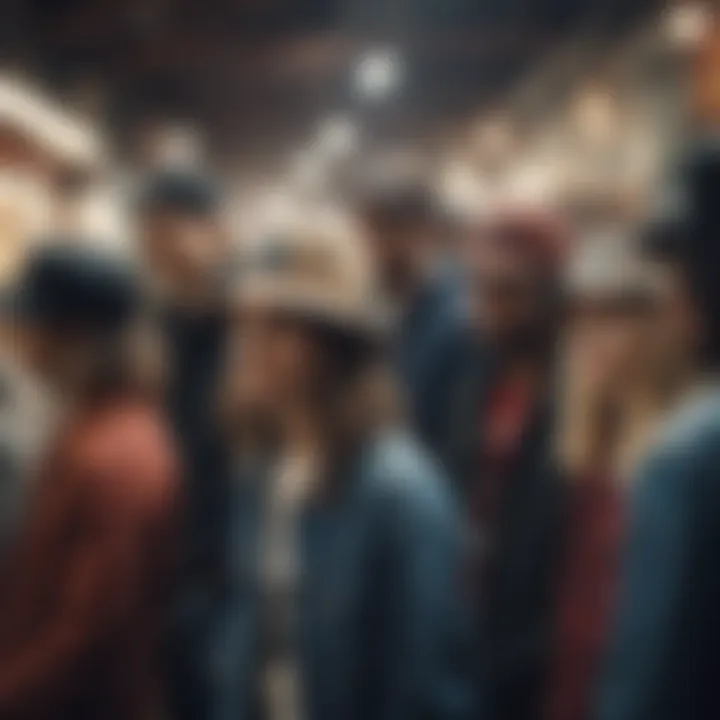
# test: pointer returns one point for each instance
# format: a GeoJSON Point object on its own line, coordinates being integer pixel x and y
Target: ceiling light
{"type": "Point", "coordinates": [377, 74]}
{"type": "Point", "coordinates": [687, 24]}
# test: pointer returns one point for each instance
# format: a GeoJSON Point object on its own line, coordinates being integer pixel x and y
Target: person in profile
{"type": "Point", "coordinates": [662, 662]}
{"type": "Point", "coordinates": [86, 573]}
{"type": "Point", "coordinates": [433, 345]}
{"type": "Point", "coordinates": [185, 253]}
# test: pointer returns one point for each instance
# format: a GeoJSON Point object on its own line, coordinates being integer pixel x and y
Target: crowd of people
{"type": "Point", "coordinates": [377, 466]}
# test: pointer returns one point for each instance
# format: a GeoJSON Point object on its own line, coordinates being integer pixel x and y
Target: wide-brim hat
{"type": "Point", "coordinates": [318, 271]}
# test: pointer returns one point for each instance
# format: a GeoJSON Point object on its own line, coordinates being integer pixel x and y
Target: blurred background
{"type": "Point", "coordinates": [577, 102]}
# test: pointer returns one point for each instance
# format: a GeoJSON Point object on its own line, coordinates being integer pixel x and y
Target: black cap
{"type": "Point", "coordinates": [75, 285]}
{"type": "Point", "coordinates": [180, 191]}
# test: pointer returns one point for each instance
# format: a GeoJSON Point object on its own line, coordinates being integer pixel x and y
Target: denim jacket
{"type": "Point", "coordinates": [380, 618]}
{"type": "Point", "coordinates": [664, 657]}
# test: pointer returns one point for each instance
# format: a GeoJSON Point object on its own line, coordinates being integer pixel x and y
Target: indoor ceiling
{"type": "Point", "coordinates": [258, 75]}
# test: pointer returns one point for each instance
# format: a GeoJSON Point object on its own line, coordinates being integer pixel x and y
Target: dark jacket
{"type": "Point", "coordinates": [666, 645]}
{"type": "Point", "coordinates": [84, 588]}
{"type": "Point", "coordinates": [515, 611]}
{"type": "Point", "coordinates": [196, 356]}
{"type": "Point", "coordinates": [380, 620]}
{"type": "Point", "coordinates": [433, 347]}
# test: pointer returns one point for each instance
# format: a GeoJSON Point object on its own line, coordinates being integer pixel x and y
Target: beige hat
{"type": "Point", "coordinates": [315, 268]}
{"type": "Point", "coordinates": [610, 267]}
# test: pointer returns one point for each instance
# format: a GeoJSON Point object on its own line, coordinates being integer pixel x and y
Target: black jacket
{"type": "Point", "coordinates": [515, 619]}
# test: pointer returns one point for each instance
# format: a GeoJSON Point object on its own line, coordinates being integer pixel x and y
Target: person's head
{"type": "Point", "coordinates": [181, 234]}
{"type": "Point", "coordinates": [404, 230]}
{"type": "Point", "coordinates": [68, 315]}
{"type": "Point", "coordinates": [514, 263]}
{"type": "Point", "coordinates": [308, 329]}
{"type": "Point", "coordinates": [628, 323]}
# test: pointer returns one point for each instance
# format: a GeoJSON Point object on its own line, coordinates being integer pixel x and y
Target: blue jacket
{"type": "Point", "coordinates": [380, 620]}
{"type": "Point", "coordinates": [665, 655]}
{"type": "Point", "coordinates": [434, 346]}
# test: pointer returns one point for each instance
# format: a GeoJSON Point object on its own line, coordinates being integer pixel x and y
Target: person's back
{"type": "Point", "coordinates": [83, 588]}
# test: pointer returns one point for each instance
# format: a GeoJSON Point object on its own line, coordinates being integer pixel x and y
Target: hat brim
{"type": "Point", "coordinates": [370, 324]}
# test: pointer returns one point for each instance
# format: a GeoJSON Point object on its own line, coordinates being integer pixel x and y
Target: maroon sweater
{"type": "Point", "coordinates": [83, 589]}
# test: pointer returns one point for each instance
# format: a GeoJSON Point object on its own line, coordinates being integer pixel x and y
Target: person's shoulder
{"type": "Point", "coordinates": [695, 425]}
{"type": "Point", "coordinates": [398, 469]}
{"type": "Point", "coordinates": [127, 447]}
{"type": "Point", "coordinates": [687, 448]}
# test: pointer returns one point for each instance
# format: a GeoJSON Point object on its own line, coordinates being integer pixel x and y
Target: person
{"type": "Point", "coordinates": [501, 432]}
{"type": "Point", "coordinates": [85, 579]}
{"type": "Point", "coordinates": [426, 289]}
{"type": "Point", "coordinates": [185, 251]}
{"type": "Point", "coordinates": [619, 374]}
{"type": "Point", "coordinates": [663, 654]}
{"type": "Point", "coordinates": [348, 545]}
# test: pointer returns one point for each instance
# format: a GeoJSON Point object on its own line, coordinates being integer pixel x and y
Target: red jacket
{"type": "Point", "coordinates": [81, 595]}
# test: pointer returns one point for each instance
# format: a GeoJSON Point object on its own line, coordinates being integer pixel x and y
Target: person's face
{"type": "Point", "coordinates": [508, 302]}
{"type": "Point", "coordinates": [275, 361]}
{"type": "Point", "coordinates": [400, 248]}
{"type": "Point", "coordinates": [182, 251]}
{"type": "Point", "coordinates": [607, 342]}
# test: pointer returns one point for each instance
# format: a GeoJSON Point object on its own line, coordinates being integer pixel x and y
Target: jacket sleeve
{"type": "Point", "coordinates": [430, 670]}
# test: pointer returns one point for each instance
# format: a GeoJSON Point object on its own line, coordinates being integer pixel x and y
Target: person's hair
{"type": "Point", "coordinates": [355, 396]}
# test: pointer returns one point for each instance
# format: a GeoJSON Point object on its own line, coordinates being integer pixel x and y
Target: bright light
{"type": "Point", "coordinates": [338, 136]}
{"type": "Point", "coordinates": [687, 24]}
{"type": "Point", "coordinates": [377, 74]}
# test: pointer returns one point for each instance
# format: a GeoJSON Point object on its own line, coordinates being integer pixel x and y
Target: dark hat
{"type": "Point", "coordinates": [181, 191]}
{"type": "Point", "coordinates": [75, 285]}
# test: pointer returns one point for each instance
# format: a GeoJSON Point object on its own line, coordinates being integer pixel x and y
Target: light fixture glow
{"type": "Point", "coordinates": [377, 74]}
{"type": "Point", "coordinates": [687, 24]}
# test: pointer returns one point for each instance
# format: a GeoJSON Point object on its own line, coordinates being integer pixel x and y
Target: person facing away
{"type": "Point", "coordinates": [427, 291]}
{"type": "Point", "coordinates": [662, 662]}
{"type": "Point", "coordinates": [501, 429]}
{"type": "Point", "coordinates": [185, 253]}
{"type": "Point", "coordinates": [346, 600]}
{"type": "Point", "coordinates": [620, 372]}
{"type": "Point", "coordinates": [85, 578]}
